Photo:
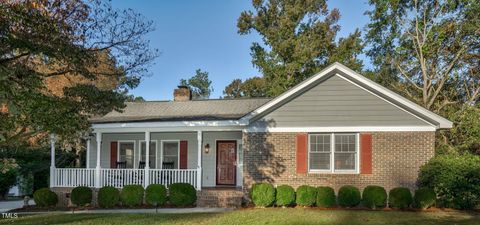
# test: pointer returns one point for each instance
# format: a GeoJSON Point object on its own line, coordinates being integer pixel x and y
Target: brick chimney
{"type": "Point", "coordinates": [182, 94]}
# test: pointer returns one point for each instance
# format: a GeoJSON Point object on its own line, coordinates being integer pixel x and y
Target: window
{"type": "Point", "coordinates": [345, 151]}
{"type": "Point", "coordinates": [320, 152]}
{"type": "Point", "coordinates": [126, 152]}
{"type": "Point", "coordinates": [333, 153]}
{"type": "Point", "coordinates": [170, 151]}
{"type": "Point", "coordinates": [152, 153]}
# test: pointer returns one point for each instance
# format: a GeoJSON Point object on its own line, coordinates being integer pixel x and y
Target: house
{"type": "Point", "coordinates": [333, 129]}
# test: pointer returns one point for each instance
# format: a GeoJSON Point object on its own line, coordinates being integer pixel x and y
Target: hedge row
{"type": "Point", "coordinates": [374, 197]}
{"type": "Point", "coordinates": [181, 194]}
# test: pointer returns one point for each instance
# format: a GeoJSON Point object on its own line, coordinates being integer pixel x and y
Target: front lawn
{"type": "Point", "coordinates": [260, 216]}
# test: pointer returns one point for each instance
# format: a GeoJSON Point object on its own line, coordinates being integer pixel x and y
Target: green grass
{"type": "Point", "coordinates": [259, 216]}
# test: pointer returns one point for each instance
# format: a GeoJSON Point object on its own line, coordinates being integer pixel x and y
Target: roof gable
{"type": "Point", "coordinates": [356, 79]}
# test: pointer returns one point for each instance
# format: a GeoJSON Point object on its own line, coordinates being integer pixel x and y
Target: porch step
{"type": "Point", "coordinates": [220, 197]}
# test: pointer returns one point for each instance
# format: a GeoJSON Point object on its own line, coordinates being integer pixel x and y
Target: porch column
{"type": "Point", "coordinates": [199, 160]}
{"type": "Point", "coordinates": [52, 160]}
{"type": "Point", "coordinates": [147, 159]}
{"type": "Point", "coordinates": [87, 161]}
{"type": "Point", "coordinates": [97, 168]}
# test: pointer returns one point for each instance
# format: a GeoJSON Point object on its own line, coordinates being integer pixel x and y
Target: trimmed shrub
{"type": "Point", "coordinates": [306, 195]}
{"type": "Point", "coordinates": [108, 197]}
{"type": "Point", "coordinates": [400, 198]}
{"type": "Point", "coordinates": [45, 198]}
{"type": "Point", "coordinates": [424, 198]}
{"type": "Point", "coordinates": [456, 187]}
{"type": "Point", "coordinates": [132, 195]}
{"type": "Point", "coordinates": [374, 197]}
{"type": "Point", "coordinates": [156, 194]}
{"type": "Point", "coordinates": [81, 196]}
{"type": "Point", "coordinates": [263, 194]}
{"type": "Point", "coordinates": [348, 196]}
{"type": "Point", "coordinates": [182, 194]}
{"type": "Point", "coordinates": [325, 197]}
{"type": "Point", "coordinates": [285, 196]}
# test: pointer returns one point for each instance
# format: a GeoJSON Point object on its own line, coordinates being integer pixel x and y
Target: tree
{"type": "Point", "coordinates": [84, 43]}
{"type": "Point", "coordinates": [252, 87]}
{"type": "Point", "coordinates": [298, 41]}
{"type": "Point", "coordinates": [199, 84]}
{"type": "Point", "coordinates": [431, 47]}
{"type": "Point", "coordinates": [429, 51]}
{"type": "Point", "coordinates": [8, 178]}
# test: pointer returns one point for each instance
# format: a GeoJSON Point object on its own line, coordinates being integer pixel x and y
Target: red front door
{"type": "Point", "coordinates": [226, 162]}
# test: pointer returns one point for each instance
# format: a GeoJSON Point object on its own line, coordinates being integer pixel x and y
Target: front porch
{"type": "Point", "coordinates": [120, 158]}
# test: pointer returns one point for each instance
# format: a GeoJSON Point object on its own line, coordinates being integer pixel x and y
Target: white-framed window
{"type": "Point", "coordinates": [152, 152]}
{"type": "Point", "coordinates": [126, 153]}
{"type": "Point", "coordinates": [333, 153]}
{"type": "Point", "coordinates": [170, 154]}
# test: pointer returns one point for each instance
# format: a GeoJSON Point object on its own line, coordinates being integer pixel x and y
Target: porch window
{"type": "Point", "coordinates": [152, 153]}
{"type": "Point", "coordinates": [333, 152]}
{"type": "Point", "coordinates": [126, 152]}
{"type": "Point", "coordinates": [170, 154]}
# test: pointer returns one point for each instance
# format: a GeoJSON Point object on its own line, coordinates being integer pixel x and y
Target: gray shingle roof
{"type": "Point", "coordinates": [214, 109]}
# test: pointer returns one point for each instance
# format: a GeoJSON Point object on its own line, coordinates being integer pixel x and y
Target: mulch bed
{"type": "Point", "coordinates": [86, 208]}
{"type": "Point", "coordinates": [360, 208]}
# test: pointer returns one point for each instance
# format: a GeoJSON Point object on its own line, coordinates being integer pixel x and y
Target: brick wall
{"type": "Point", "coordinates": [397, 157]}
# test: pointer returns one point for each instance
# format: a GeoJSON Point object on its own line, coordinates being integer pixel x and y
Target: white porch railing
{"type": "Point", "coordinates": [121, 177]}
{"type": "Point", "coordinates": [74, 177]}
{"type": "Point", "coordinates": [170, 176]}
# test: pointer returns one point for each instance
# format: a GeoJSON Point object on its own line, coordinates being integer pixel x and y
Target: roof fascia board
{"type": "Point", "coordinates": [341, 129]}
{"type": "Point", "coordinates": [188, 124]}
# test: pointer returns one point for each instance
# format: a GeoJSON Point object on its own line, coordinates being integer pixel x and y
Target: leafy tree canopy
{"type": "Point", "coordinates": [63, 61]}
{"type": "Point", "coordinates": [252, 87]}
{"type": "Point", "coordinates": [200, 85]}
{"type": "Point", "coordinates": [298, 41]}
{"type": "Point", "coordinates": [429, 51]}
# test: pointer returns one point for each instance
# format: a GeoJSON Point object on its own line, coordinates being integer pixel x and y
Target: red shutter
{"type": "Point", "coordinates": [366, 153]}
{"type": "Point", "coordinates": [302, 154]}
{"type": "Point", "coordinates": [113, 154]}
{"type": "Point", "coordinates": [183, 154]}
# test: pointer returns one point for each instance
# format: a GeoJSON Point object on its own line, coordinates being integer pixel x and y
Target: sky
{"type": "Point", "coordinates": [203, 35]}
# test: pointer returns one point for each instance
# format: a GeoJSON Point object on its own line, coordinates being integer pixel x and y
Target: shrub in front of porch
{"type": "Point", "coordinates": [182, 194]}
{"type": "Point", "coordinates": [326, 197]}
{"type": "Point", "coordinates": [81, 196]}
{"type": "Point", "coordinates": [108, 197]}
{"type": "Point", "coordinates": [156, 194]}
{"type": "Point", "coordinates": [285, 195]}
{"type": "Point", "coordinates": [306, 195]}
{"type": "Point", "coordinates": [348, 196]}
{"type": "Point", "coordinates": [374, 197]}
{"type": "Point", "coordinates": [132, 195]}
{"type": "Point", "coordinates": [45, 198]}
{"type": "Point", "coordinates": [263, 194]}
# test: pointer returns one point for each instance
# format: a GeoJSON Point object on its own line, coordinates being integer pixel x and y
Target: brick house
{"type": "Point", "coordinates": [333, 129]}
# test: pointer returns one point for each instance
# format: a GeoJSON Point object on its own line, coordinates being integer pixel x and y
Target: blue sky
{"type": "Point", "coordinates": [203, 35]}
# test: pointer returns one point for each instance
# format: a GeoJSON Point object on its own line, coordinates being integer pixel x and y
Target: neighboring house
{"type": "Point", "coordinates": [333, 129]}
